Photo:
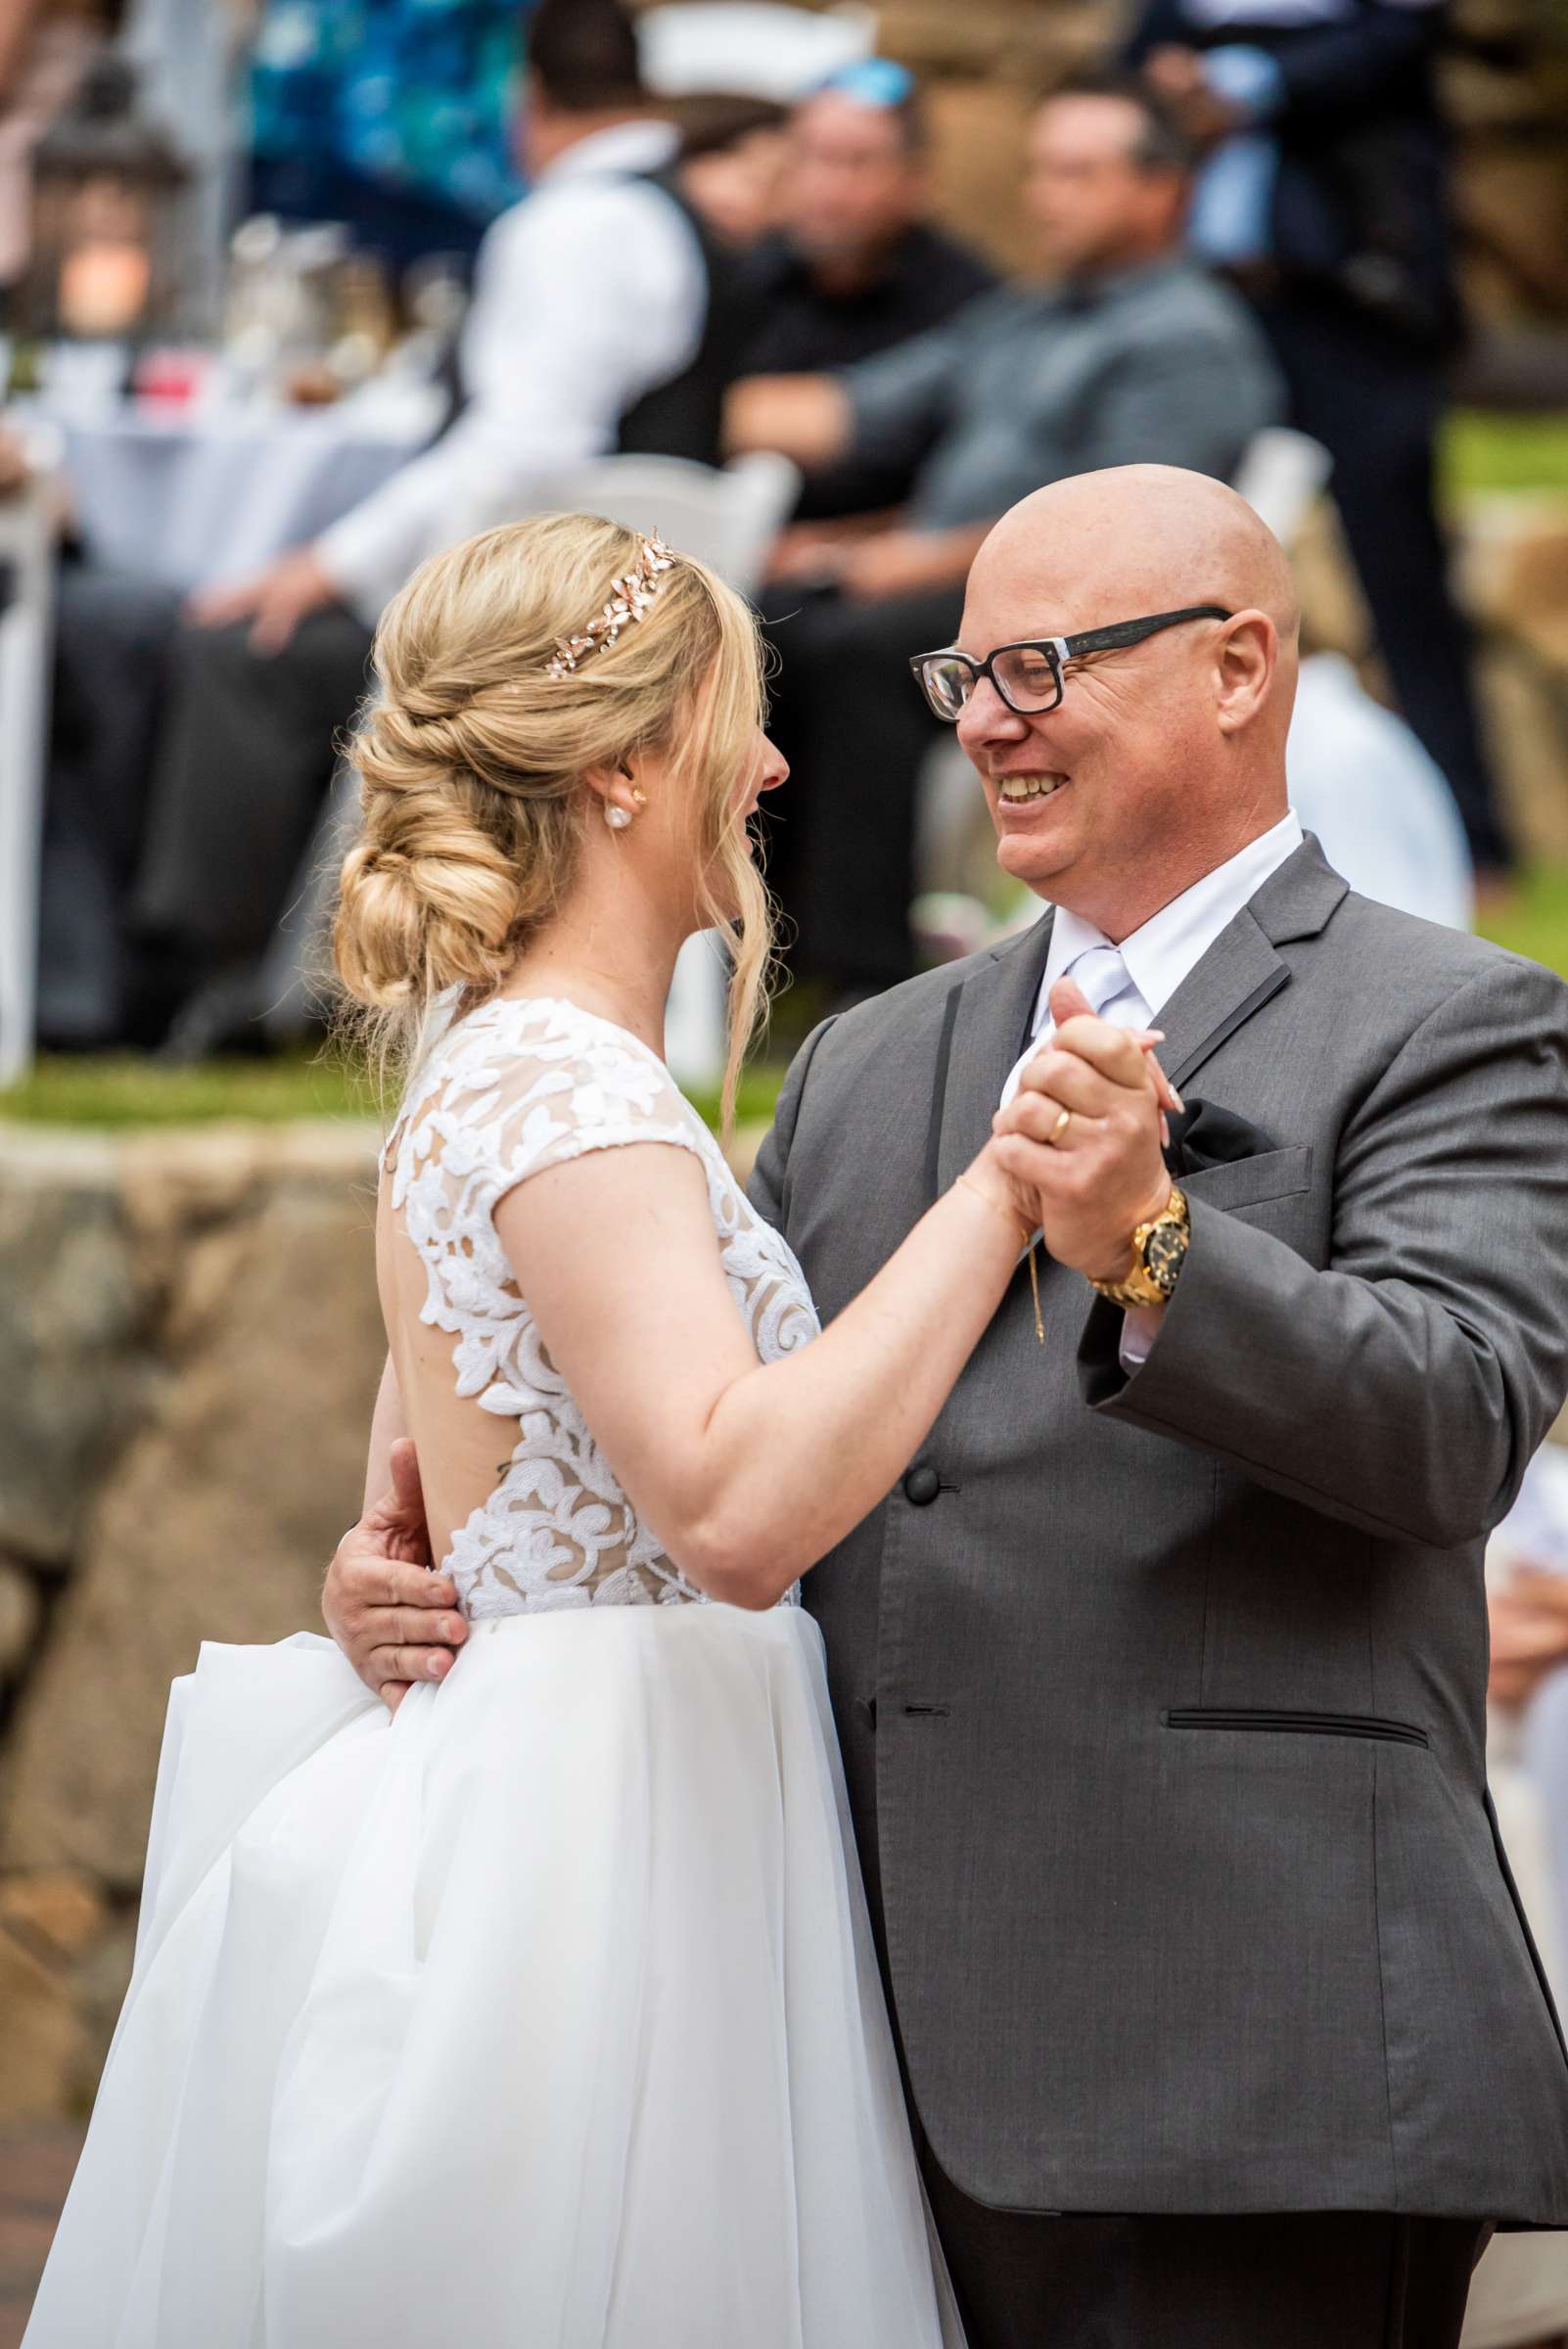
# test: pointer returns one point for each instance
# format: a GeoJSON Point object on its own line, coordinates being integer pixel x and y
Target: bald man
{"type": "Point", "coordinates": [1159, 1675]}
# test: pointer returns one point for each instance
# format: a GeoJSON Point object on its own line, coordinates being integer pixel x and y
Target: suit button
{"type": "Point", "coordinates": [921, 1485]}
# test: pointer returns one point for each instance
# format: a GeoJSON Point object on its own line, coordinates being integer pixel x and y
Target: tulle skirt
{"type": "Point", "coordinates": [543, 2016]}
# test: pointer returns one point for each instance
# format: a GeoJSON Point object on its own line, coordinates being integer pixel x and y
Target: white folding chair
{"type": "Point", "coordinates": [1279, 475]}
{"type": "Point", "coordinates": [726, 515]}
{"type": "Point", "coordinates": [26, 639]}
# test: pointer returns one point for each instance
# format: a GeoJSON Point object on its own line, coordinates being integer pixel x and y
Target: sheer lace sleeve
{"type": "Point", "coordinates": [499, 1095]}
{"type": "Point", "coordinates": [515, 1087]}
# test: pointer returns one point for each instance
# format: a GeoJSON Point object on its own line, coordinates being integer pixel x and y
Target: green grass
{"type": "Point", "coordinates": [1537, 923]}
{"type": "Point", "coordinates": [128, 1091]}
{"type": "Point", "coordinates": [1482, 451]}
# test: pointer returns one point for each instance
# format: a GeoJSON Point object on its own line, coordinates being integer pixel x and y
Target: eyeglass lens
{"type": "Point", "coordinates": [947, 685]}
{"type": "Point", "coordinates": [1027, 680]}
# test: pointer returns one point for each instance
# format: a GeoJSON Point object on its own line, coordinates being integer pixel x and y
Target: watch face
{"type": "Point", "coordinates": [1163, 1251]}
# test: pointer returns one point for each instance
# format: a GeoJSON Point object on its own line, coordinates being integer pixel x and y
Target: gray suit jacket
{"type": "Point", "coordinates": [1161, 1697]}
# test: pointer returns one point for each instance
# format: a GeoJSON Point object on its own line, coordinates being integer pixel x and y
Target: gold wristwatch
{"type": "Point", "coordinates": [1159, 1248]}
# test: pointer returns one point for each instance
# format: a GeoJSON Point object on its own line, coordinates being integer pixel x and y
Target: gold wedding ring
{"type": "Point", "coordinates": [1064, 1119]}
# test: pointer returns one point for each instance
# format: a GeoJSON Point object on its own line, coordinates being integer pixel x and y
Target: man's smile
{"type": "Point", "coordinates": [1015, 791]}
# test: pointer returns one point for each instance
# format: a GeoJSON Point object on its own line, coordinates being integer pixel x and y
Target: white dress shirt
{"type": "Point", "coordinates": [587, 293]}
{"type": "Point", "coordinates": [1171, 944]}
{"type": "Point", "coordinates": [1158, 957]}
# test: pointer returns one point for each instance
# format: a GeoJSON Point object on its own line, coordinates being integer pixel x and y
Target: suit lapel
{"type": "Point", "coordinates": [983, 1021]}
{"type": "Point", "coordinates": [983, 1033]}
{"type": "Point", "coordinates": [1242, 970]}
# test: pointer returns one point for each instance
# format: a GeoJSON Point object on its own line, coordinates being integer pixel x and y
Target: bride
{"type": "Point", "coordinates": [543, 2011]}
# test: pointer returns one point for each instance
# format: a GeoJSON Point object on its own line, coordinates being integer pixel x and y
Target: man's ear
{"type": "Point", "coordinates": [1245, 662]}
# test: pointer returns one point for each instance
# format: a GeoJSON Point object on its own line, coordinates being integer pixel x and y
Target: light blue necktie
{"type": "Point", "coordinates": [1111, 992]}
{"type": "Point", "coordinates": [1105, 979]}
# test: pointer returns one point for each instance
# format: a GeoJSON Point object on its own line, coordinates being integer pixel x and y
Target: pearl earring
{"type": "Point", "coordinates": [618, 818]}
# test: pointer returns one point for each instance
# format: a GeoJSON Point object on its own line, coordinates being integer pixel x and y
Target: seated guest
{"type": "Point", "coordinates": [1130, 354]}
{"type": "Point", "coordinates": [855, 266]}
{"type": "Point", "coordinates": [607, 316]}
{"type": "Point", "coordinates": [733, 157]}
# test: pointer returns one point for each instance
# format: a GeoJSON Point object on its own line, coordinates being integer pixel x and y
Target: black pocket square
{"type": "Point", "coordinates": [1205, 1134]}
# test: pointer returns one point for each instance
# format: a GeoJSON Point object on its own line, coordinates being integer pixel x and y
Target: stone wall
{"type": "Point", "coordinates": [189, 1345]}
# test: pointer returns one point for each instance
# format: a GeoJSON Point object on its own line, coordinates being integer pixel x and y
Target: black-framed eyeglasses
{"type": "Point", "coordinates": [1029, 676]}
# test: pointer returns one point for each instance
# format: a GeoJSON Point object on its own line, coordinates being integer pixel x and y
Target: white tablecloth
{"type": "Point", "coordinates": [199, 499]}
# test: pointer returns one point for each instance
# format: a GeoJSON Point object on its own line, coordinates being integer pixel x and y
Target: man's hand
{"type": "Point", "coordinates": [807, 417]}
{"type": "Point", "coordinates": [1105, 1175]}
{"type": "Point", "coordinates": [1529, 1619]}
{"type": "Point", "coordinates": [393, 1619]}
{"type": "Point", "coordinates": [276, 599]}
{"type": "Point", "coordinates": [16, 466]}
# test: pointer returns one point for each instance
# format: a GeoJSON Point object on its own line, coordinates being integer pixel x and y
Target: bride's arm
{"type": "Point", "coordinates": [747, 1474]}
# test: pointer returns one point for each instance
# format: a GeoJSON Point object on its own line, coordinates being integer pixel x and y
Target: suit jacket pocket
{"type": "Point", "coordinates": [1249, 1182]}
{"type": "Point", "coordinates": [1283, 1724]}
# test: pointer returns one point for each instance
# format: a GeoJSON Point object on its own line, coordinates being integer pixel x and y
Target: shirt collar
{"type": "Point", "coordinates": [1174, 942]}
{"type": "Point", "coordinates": [621, 151]}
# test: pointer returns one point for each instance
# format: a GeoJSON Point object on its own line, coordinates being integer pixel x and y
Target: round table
{"type": "Point", "coordinates": [198, 498]}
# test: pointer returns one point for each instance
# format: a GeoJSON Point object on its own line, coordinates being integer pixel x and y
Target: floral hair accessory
{"type": "Point", "coordinates": [629, 598]}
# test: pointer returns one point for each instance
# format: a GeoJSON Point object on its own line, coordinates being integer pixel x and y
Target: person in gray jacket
{"type": "Point", "coordinates": [1128, 352]}
{"type": "Point", "coordinates": [1159, 1675]}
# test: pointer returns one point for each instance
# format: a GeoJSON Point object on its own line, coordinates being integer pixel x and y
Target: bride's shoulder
{"type": "Point", "coordinates": [533, 1079]}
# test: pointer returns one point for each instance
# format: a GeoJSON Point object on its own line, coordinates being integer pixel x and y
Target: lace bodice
{"type": "Point", "coordinates": [514, 1088]}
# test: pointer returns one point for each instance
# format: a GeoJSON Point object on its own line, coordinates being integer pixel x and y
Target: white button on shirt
{"type": "Point", "coordinates": [587, 293]}
{"type": "Point", "coordinates": [1155, 959]}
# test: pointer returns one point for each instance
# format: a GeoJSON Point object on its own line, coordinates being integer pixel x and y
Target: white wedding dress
{"type": "Point", "coordinates": [544, 2016]}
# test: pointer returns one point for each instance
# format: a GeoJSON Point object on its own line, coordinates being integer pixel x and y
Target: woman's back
{"type": "Point", "coordinates": [520, 1086]}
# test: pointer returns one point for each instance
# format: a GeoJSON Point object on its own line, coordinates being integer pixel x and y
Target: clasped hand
{"type": "Point", "coordinates": [1103, 1173]}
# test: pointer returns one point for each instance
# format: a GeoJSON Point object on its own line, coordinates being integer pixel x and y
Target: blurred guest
{"type": "Point", "coordinates": [855, 266]}
{"type": "Point", "coordinates": [607, 316]}
{"type": "Point", "coordinates": [186, 54]}
{"type": "Point", "coordinates": [733, 154]}
{"type": "Point", "coordinates": [1133, 354]}
{"type": "Point", "coordinates": [1519, 2299]}
{"type": "Point", "coordinates": [45, 48]}
{"type": "Point", "coordinates": [113, 642]}
{"type": "Point", "coordinates": [1325, 196]}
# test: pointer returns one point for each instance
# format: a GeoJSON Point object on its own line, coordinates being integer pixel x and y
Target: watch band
{"type": "Point", "coordinates": [1159, 1248]}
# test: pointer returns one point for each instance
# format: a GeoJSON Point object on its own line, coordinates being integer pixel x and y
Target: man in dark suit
{"type": "Point", "coordinates": [1160, 1675]}
{"type": "Point", "coordinates": [1327, 198]}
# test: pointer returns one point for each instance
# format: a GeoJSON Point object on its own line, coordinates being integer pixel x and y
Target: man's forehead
{"type": "Point", "coordinates": [1030, 601]}
{"type": "Point", "coordinates": [845, 121]}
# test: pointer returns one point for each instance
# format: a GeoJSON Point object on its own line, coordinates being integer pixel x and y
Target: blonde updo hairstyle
{"type": "Point", "coordinates": [472, 762]}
